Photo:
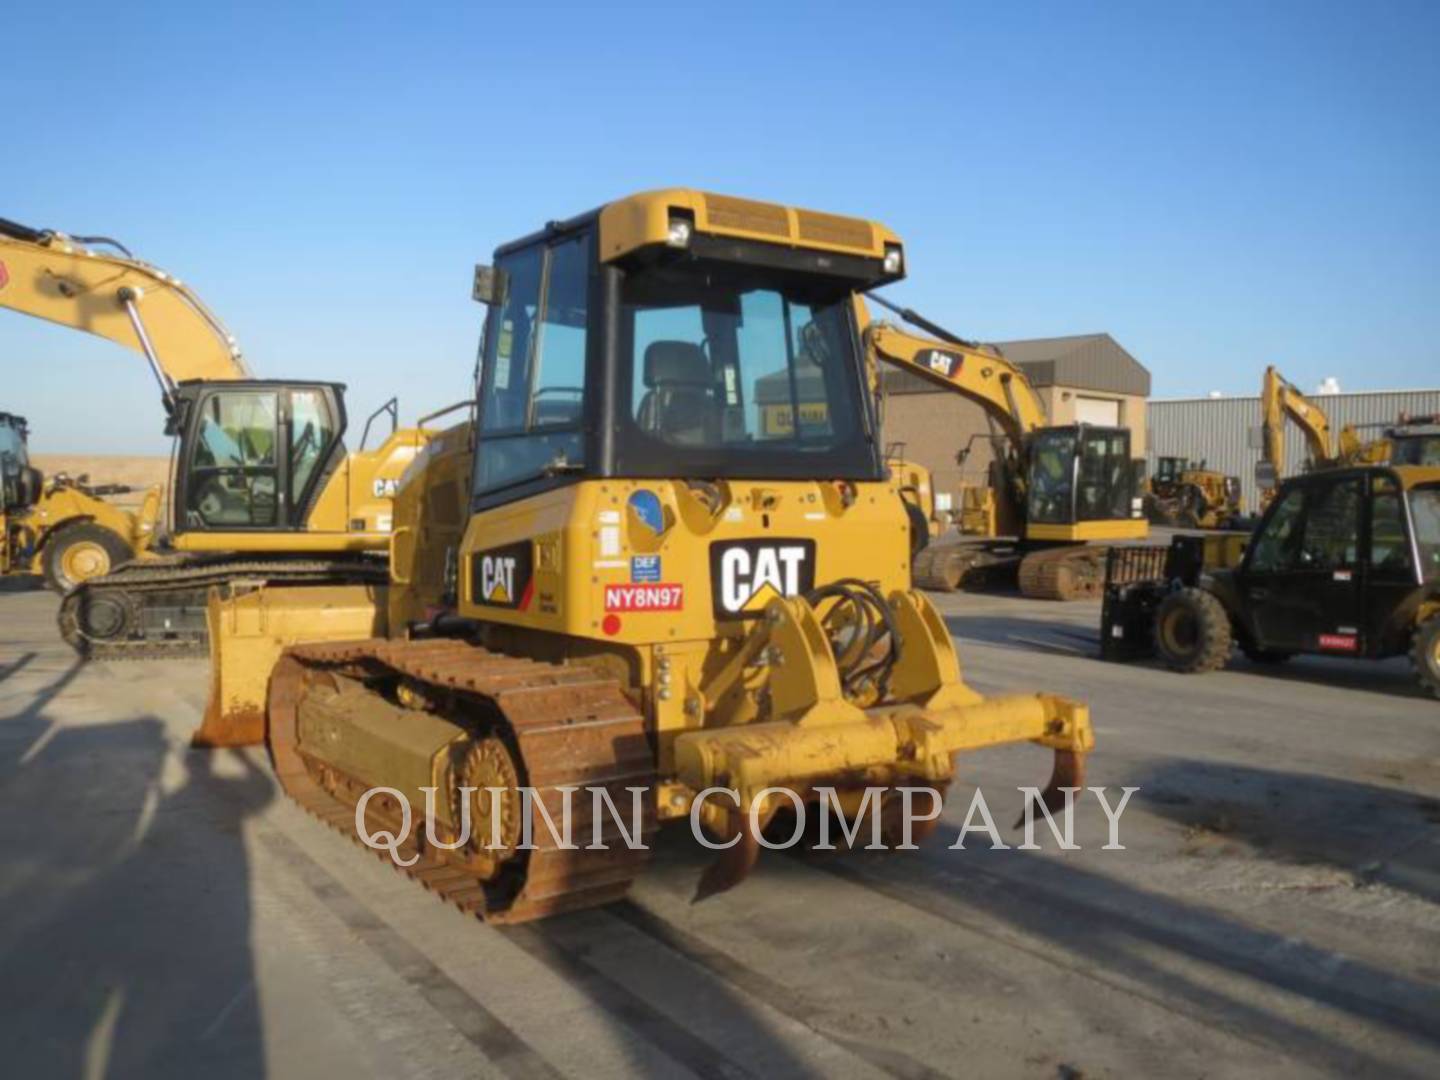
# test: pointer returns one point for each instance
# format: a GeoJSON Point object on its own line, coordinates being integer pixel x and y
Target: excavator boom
{"type": "Point", "coordinates": [57, 278]}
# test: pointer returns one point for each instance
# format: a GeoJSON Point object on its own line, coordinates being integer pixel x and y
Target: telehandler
{"type": "Point", "coordinates": [619, 575]}
{"type": "Point", "coordinates": [261, 487]}
{"type": "Point", "coordinates": [62, 527]}
{"type": "Point", "coordinates": [1057, 494]}
{"type": "Point", "coordinates": [1346, 562]}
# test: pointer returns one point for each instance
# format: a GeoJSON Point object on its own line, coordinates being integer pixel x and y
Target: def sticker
{"type": "Point", "coordinates": [645, 568]}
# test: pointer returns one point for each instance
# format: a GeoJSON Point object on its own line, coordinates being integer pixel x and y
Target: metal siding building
{"type": "Point", "coordinates": [1225, 431]}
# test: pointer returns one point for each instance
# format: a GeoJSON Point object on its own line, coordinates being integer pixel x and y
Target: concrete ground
{"type": "Point", "coordinates": [167, 913]}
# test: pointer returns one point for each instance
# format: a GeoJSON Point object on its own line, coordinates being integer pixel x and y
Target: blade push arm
{"type": "Point", "coordinates": [53, 277]}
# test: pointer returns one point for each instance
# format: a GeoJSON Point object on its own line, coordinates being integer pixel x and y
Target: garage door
{"type": "Point", "coordinates": [1089, 410]}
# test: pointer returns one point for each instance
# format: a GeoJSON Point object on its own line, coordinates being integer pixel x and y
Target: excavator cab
{"type": "Point", "coordinates": [1079, 475]}
{"type": "Point", "coordinates": [253, 454]}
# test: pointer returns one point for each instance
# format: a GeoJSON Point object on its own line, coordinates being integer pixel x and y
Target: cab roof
{"type": "Point", "coordinates": [643, 219]}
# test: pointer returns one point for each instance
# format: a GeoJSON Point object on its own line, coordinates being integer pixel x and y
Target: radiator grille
{"type": "Point", "coordinates": [832, 229]}
{"type": "Point", "coordinates": [743, 215]}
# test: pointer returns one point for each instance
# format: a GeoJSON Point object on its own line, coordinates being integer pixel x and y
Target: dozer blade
{"type": "Point", "coordinates": [249, 631]}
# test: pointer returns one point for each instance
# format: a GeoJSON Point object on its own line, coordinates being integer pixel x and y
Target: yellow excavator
{"type": "Point", "coordinates": [1281, 402]}
{"type": "Point", "coordinates": [1057, 495]}
{"type": "Point", "coordinates": [619, 578]}
{"type": "Point", "coordinates": [1411, 440]}
{"type": "Point", "coordinates": [261, 487]}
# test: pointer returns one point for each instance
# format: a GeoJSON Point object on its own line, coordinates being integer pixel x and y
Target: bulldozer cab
{"type": "Point", "coordinates": [1080, 474]}
{"type": "Point", "coordinates": [253, 454]}
{"type": "Point", "coordinates": [700, 360]}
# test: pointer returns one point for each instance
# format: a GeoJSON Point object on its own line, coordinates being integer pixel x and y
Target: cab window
{"type": "Point", "coordinates": [532, 392]}
{"type": "Point", "coordinates": [1104, 491]}
{"type": "Point", "coordinates": [233, 476]}
{"type": "Point", "coordinates": [1425, 512]}
{"type": "Point", "coordinates": [1390, 555]}
{"type": "Point", "coordinates": [311, 429]}
{"type": "Point", "coordinates": [1276, 546]}
{"type": "Point", "coordinates": [1332, 526]}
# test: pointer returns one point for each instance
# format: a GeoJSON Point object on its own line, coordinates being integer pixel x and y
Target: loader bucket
{"type": "Point", "coordinates": [249, 631]}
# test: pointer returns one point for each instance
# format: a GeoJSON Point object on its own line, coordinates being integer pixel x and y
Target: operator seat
{"type": "Point", "coordinates": [679, 404]}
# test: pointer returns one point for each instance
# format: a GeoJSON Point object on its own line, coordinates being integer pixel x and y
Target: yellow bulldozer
{"type": "Point", "coordinates": [620, 577]}
{"type": "Point", "coordinates": [62, 527]}
{"type": "Point", "coordinates": [261, 487]}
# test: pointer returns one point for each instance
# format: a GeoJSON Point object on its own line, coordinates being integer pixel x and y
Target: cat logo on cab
{"type": "Point", "coordinates": [746, 574]}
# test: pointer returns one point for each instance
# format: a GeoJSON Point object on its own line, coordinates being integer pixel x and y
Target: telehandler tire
{"type": "Point", "coordinates": [80, 552]}
{"type": "Point", "coordinates": [1425, 654]}
{"type": "Point", "coordinates": [1192, 632]}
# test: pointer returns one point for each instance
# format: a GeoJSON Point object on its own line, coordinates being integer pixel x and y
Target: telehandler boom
{"type": "Point", "coordinates": [261, 486]}
{"type": "Point", "coordinates": [622, 578]}
{"type": "Point", "coordinates": [1061, 492]}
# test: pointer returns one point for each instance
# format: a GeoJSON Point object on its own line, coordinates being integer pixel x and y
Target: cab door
{"type": "Point", "coordinates": [1303, 579]}
{"type": "Point", "coordinates": [1391, 575]}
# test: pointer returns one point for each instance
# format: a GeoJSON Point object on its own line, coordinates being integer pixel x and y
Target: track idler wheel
{"type": "Point", "coordinates": [496, 826]}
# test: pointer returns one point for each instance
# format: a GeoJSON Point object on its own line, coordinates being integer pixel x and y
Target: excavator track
{"type": "Point", "coordinates": [566, 726]}
{"type": "Point", "coordinates": [964, 565]}
{"type": "Point", "coordinates": [1064, 573]}
{"type": "Point", "coordinates": [154, 608]}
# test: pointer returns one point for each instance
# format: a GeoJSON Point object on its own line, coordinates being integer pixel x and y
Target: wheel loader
{"type": "Point", "coordinates": [62, 527]}
{"type": "Point", "coordinates": [620, 576]}
{"type": "Point", "coordinates": [1189, 495]}
{"type": "Point", "coordinates": [262, 488]}
{"type": "Point", "coordinates": [1346, 562]}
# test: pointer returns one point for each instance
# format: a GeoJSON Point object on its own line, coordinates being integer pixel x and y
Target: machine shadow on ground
{"type": "Point", "coordinates": [1063, 637]}
{"type": "Point", "coordinates": [1373, 833]}
{"type": "Point", "coordinates": [143, 967]}
{"type": "Point", "coordinates": [21, 583]}
{"type": "Point", "coordinates": [1176, 952]}
{"type": "Point", "coordinates": [1183, 955]}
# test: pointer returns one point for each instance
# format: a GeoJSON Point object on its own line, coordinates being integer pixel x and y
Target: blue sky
{"type": "Point", "coordinates": [1219, 185]}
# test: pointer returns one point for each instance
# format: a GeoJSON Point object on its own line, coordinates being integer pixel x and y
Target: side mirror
{"type": "Point", "coordinates": [1266, 476]}
{"type": "Point", "coordinates": [28, 485]}
{"type": "Point", "coordinates": [491, 285]}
